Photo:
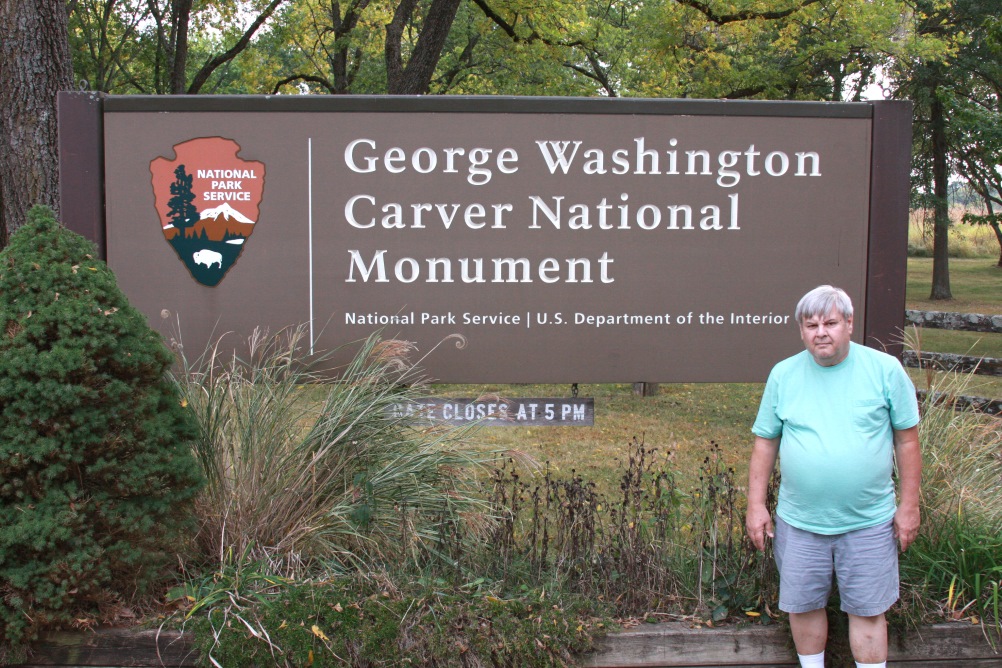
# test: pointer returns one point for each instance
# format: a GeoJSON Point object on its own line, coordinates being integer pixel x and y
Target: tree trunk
{"type": "Point", "coordinates": [415, 77]}
{"type": "Point", "coordinates": [998, 237]}
{"type": "Point", "coordinates": [35, 64]}
{"type": "Point", "coordinates": [941, 229]}
{"type": "Point", "coordinates": [180, 20]}
{"type": "Point", "coordinates": [343, 73]}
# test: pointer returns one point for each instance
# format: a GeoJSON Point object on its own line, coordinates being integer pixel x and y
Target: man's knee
{"type": "Point", "coordinates": [868, 638]}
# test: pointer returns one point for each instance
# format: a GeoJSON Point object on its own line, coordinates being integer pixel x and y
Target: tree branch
{"type": "Point", "coordinates": [305, 77]}
{"type": "Point", "coordinates": [597, 73]}
{"type": "Point", "coordinates": [514, 36]}
{"type": "Point", "coordinates": [722, 19]}
{"type": "Point", "coordinates": [209, 67]}
{"type": "Point", "coordinates": [415, 77]}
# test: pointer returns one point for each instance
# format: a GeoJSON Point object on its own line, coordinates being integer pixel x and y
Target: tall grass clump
{"type": "Point", "coordinates": [305, 472]}
{"type": "Point", "coordinates": [955, 564]}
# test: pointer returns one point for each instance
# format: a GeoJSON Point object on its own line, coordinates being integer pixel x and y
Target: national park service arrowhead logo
{"type": "Point", "coordinates": [208, 201]}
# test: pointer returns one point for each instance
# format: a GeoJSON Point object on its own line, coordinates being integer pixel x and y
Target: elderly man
{"type": "Point", "coordinates": [839, 414]}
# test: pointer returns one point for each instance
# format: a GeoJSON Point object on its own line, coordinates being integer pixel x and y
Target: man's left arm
{"type": "Point", "coordinates": [909, 462]}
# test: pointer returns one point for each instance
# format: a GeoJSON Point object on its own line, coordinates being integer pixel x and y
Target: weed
{"type": "Point", "coordinates": [528, 575]}
{"type": "Point", "coordinates": [732, 576]}
{"type": "Point", "coordinates": [655, 550]}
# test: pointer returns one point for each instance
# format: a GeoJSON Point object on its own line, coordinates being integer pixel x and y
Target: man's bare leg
{"type": "Point", "coordinates": [867, 638]}
{"type": "Point", "coordinates": [810, 631]}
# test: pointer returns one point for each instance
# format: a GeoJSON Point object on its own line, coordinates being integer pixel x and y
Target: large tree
{"type": "Point", "coordinates": [35, 65]}
{"type": "Point", "coordinates": [956, 90]}
{"type": "Point", "coordinates": [977, 123]}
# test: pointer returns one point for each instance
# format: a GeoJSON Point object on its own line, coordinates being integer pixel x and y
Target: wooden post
{"type": "Point", "coordinates": [888, 239]}
{"type": "Point", "coordinates": [81, 165]}
{"type": "Point", "coordinates": [645, 389]}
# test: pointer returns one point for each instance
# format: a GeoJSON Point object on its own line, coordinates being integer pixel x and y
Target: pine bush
{"type": "Point", "coordinates": [96, 470]}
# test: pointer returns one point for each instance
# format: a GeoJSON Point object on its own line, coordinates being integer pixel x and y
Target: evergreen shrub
{"type": "Point", "coordinates": [96, 470]}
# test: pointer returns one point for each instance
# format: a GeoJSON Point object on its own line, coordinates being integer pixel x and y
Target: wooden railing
{"type": "Point", "coordinates": [968, 322]}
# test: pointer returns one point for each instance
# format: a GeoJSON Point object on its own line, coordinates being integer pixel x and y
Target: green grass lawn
{"type": "Point", "coordinates": [683, 419]}
{"type": "Point", "coordinates": [976, 285]}
{"type": "Point", "coordinates": [977, 288]}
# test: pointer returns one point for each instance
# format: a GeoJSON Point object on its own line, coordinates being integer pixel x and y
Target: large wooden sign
{"type": "Point", "coordinates": [516, 240]}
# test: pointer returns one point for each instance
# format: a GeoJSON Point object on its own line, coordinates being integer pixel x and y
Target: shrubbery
{"type": "Point", "coordinates": [95, 459]}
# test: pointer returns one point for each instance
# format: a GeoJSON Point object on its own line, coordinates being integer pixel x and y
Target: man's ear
{"type": "Point", "coordinates": [849, 322]}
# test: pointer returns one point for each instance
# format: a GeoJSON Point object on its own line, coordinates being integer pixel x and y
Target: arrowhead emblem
{"type": "Point", "coordinates": [208, 203]}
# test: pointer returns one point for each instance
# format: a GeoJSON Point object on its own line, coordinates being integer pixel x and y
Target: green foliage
{"type": "Point", "coordinates": [955, 90]}
{"type": "Point", "coordinates": [562, 560]}
{"type": "Point", "coordinates": [131, 46]}
{"type": "Point", "coordinates": [95, 465]}
{"type": "Point", "coordinates": [358, 621]}
{"type": "Point", "coordinates": [774, 49]}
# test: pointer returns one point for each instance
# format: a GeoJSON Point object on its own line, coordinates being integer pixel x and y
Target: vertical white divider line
{"type": "Point", "coordinates": [309, 181]}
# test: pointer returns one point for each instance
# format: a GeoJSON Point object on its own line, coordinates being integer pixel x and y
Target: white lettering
{"type": "Point", "coordinates": [506, 270]}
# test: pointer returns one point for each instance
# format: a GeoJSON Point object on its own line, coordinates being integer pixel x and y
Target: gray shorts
{"type": "Point", "coordinates": [864, 561]}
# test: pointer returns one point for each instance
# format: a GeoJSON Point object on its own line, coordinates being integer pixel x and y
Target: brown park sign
{"type": "Point", "coordinates": [515, 240]}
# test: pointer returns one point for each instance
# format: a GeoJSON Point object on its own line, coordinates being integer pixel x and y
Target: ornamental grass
{"type": "Point", "coordinates": [304, 472]}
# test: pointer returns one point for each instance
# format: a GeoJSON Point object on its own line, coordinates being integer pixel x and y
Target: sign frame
{"type": "Point", "coordinates": [82, 163]}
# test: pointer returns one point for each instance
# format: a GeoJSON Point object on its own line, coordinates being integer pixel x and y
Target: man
{"type": "Point", "coordinates": [840, 414]}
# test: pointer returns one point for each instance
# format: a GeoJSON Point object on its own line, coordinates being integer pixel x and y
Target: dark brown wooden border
{"type": "Point", "coordinates": [670, 645]}
{"type": "Point", "coordinates": [81, 165]}
{"type": "Point", "coordinates": [483, 104]}
{"type": "Point", "coordinates": [887, 255]}
{"type": "Point", "coordinates": [678, 645]}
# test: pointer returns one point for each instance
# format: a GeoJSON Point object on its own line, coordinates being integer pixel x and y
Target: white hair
{"type": "Point", "coordinates": [821, 300]}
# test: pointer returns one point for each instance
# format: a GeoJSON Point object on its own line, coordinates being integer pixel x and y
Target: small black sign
{"type": "Point", "coordinates": [498, 412]}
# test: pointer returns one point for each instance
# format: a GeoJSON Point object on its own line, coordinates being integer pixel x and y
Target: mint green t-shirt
{"type": "Point", "coordinates": [836, 437]}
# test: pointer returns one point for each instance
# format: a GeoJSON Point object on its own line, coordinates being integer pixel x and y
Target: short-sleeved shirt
{"type": "Point", "coordinates": [835, 426]}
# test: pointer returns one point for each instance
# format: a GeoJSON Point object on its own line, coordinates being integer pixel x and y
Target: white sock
{"type": "Point", "coordinates": [812, 660]}
{"type": "Point", "coordinates": [882, 664]}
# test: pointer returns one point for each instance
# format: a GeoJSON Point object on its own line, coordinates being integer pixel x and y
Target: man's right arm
{"type": "Point", "coordinates": [758, 522]}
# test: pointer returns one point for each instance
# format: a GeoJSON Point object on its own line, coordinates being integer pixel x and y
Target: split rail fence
{"type": "Point", "coordinates": [968, 322]}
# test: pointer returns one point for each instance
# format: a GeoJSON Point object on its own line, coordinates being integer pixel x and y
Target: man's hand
{"type": "Point", "coordinates": [906, 525]}
{"type": "Point", "coordinates": [908, 457]}
{"type": "Point", "coordinates": [758, 524]}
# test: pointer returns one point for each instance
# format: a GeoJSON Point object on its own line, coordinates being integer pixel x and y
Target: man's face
{"type": "Point", "coordinates": [827, 337]}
